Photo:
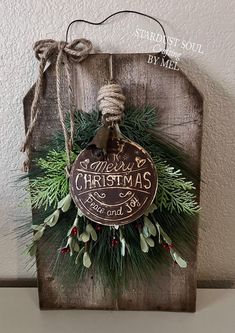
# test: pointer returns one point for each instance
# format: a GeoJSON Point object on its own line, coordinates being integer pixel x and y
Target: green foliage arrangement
{"type": "Point", "coordinates": [164, 233]}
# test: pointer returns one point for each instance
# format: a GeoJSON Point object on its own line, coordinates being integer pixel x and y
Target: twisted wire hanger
{"type": "Point", "coordinates": [115, 14]}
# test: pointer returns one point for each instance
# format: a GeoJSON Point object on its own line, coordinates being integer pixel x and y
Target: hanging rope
{"type": "Point", "coordinates": [111, 102]}
{"type": "Point", "coordinates": [65, 54]}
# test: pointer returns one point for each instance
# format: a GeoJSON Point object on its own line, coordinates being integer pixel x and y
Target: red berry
{"type": "Point", "coordinates": [74, 231]}
{"type": "Point", "coordinates": [114, 242]}
{"type": "Point", "coordinates": [166, 246]}
{"type": "Point", "coordinates": [97, 227]}
{"type": "Point", "coordinates": [64, 250]}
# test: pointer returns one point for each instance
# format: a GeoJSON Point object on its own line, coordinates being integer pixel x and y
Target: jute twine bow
{"type": "Point", "coordinates": [65, 54]}
{"type": "Point", "coordinates": [111, 102]}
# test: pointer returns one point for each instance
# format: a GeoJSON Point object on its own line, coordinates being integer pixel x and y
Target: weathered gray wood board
{"type": "Point", "coordinates": [178, 102]}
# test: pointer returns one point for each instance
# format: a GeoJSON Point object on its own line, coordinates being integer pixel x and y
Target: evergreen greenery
{"type": "Point", "coordinates": [167, 230]}
{"type": "Point", "coordinates": [51, 185]}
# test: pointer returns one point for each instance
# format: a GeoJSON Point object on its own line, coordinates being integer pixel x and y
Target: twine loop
{"type": "Point", "coordinates": [64, 53]}
{"type": "Point", "coordinates": [111, 102]}
{"type": "Point", "coordinates": [77, 50]}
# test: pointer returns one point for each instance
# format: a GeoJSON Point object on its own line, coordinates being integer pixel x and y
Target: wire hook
{"type": "Point", "coordinates": [117, 13]}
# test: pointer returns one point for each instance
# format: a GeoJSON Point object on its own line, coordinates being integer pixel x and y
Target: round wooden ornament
{"type": "Point", "coordinates": [115, 188]}
{"type": "Point", "coordinates": [114, 180]}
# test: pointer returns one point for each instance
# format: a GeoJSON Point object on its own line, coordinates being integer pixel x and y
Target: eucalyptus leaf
{"type": "Point", "coordinates": [146, 231]}
{"type": "Point", "coordinates": [76, 247]}
{"type": "Point", "coordinates": [85, 236]}
{"type": "Point", "coordinates": [179, 260]}
{"type": "Point", "coordinates": [38, 234]}
{"type": "Point", "coordinates": [79, 212]}
{"type": "Point", "coordinates": [71, 245]}
{"type": "Point", "coordinates": [86, 260]}
{"type": "Point", "coordinates": [37, 227]}
{"type": "Point", "coordinates": [150, 241]}
{"type": "Point", "coordinates": [123, 247]}
{"type": "Point", "coordinates": [90, 230]}
{"type": "Point", "coordinates": [54, 218]}
{"type": "Point", "coordinates": [48, 218]}
{"type": "Point", "coordinates": [143, 244]}
{"type": "Point", "coordinates": [75, 223]}
{"type": "Point", "coordinates": [32, 250]}
{"type": "Point", "coordinates": [94, 235]}
{"type": "Point", "coordinates": [159, 233]}
{"type": "Point", "coordinates": [128, 248]}
{"type": "Point", "coordinates": [150, 226]}
{"type": "Point", "coordinates": [79, 255]}
{"type": "Point", "coordinates": [67, 202]}
{"type": "Point", "coordinates": [61, 202]}
{"type": "Point", "coordinates": [164, 235]}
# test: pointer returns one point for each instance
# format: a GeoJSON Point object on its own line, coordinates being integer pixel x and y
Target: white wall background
{"type": "Point", "coordinates": [207, 22]}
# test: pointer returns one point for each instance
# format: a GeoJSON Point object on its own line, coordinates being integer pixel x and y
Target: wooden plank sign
{"type": "Point", "coordinates": [177, 102]}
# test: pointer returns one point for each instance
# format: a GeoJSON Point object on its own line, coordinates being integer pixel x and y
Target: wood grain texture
{"type": "Point", "coordinates": [178, 102]}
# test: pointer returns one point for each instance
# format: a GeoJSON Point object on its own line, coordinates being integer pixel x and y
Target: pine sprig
{"type": "Point", "coordinates": [147, 131]}
{"type": "Point", "coordinates": [51, 185]}
{"type": "Point", "coordinates": [175, 193]}
{"type": "Point", "coordinates": [142, 119]}
{"type": "Point", "coordinates": [86, 125]}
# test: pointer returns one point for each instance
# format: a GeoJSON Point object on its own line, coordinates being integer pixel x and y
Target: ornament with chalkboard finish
{"type": "Point", "coordinates": [113, 180]}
